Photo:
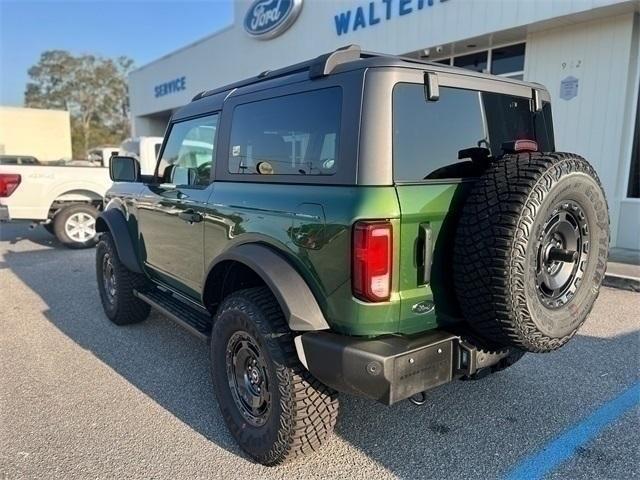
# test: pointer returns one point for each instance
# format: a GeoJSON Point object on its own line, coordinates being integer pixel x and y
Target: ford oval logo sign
{"type": "Point", "coordinates": [269, 18]}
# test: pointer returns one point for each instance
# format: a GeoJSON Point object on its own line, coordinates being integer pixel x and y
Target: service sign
{"type": "Point", "coordinates": [267, 19]}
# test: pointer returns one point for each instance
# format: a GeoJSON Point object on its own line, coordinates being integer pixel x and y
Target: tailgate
{"type": "Point", "coordinates": [427, 228]}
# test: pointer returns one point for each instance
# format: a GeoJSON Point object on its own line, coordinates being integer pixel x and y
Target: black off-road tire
{"type": "Point", "coordinates": [498, 245]}
{"type": "Point", "coordinates": [302, 412]}
{"type": "Point", "coordinates": [60, 221]}
{"type": "Point", "coordinates": [122, 307]}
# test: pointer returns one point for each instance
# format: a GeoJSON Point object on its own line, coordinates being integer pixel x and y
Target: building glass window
{"type": "Point", "coordinates": [507, 60]}
{"type": "Point", "coordinates": [474, 61]}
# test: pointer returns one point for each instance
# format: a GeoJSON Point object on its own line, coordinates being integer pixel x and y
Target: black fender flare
{"type": "Point", "coordinates": [298, 304]}
{"type": "Point", "coordinates": [113, 221]}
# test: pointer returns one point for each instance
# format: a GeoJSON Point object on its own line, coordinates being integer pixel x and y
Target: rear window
{"type": "Point", "coordinates": [291, 135]}
{"type": "Point", "coordinates": [427, 136]}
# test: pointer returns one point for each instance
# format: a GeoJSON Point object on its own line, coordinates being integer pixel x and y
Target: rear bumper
{"type": "Point", "coordinates": [391, 368]}
{"type": "Point", "coordinates": [4, 213]}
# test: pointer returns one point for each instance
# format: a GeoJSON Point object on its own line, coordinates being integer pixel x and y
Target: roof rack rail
{"type": "Point", "coordinates": [318, 67]}
{"type": "Point", "coordinates": [325, 64]}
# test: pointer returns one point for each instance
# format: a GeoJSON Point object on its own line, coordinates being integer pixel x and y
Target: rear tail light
{"type": "Point", "coordinates": [523, 145]}
{"type": "Point", "coordinates": [371, 261]}
{"type": "Point", "coordinates": [8, 183]}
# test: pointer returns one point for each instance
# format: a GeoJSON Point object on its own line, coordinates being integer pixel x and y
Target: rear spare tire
{"type": "Point", "coordinates": [531, 250]}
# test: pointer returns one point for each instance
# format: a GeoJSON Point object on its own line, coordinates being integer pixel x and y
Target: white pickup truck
{"type": "Point", "coordinates": [66, 199]}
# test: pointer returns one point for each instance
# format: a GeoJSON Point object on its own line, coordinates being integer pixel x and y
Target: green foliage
{"type": "Point", "coordinates": [93, 89]}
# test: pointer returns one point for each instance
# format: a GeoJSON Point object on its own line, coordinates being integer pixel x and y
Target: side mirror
{"type": "Point", "coordinates": [124, 169]}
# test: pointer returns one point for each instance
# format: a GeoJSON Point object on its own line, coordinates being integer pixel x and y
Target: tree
{"type": "Point", "coordinates": [93, 89]}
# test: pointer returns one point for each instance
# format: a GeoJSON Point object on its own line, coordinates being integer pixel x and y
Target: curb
{"type": "Point", "coordinates": [621, 282]}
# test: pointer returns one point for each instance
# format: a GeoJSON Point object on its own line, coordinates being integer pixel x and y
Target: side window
{"type": "Point", "coordinates": [427, 136]}
{"type": "Point", "coordinates": [292, 135]}
{"type": "Point", "coordinates": [189, 154]}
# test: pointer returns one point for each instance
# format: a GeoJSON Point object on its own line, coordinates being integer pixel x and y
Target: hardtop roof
{"type": "Point", "coordinates": [345, 59]}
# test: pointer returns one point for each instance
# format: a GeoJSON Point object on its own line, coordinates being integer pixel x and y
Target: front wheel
{"type": "Point", "coordinates": [271, 404]}
{"type": "Point", "coordinates": [117, 285]}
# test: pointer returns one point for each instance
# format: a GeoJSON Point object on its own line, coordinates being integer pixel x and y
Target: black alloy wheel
{"type": "Point", "coordinates": [562, 251]}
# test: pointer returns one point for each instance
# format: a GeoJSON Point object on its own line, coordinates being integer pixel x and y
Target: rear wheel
{"type": "Point", "coordinates": [531, 250]}
{"type": "Point", "coordinates": [75, 226]}
{"type": "Point", "coordinates": [271, 404]}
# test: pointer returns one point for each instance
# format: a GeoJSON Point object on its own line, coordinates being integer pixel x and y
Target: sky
{"type": "Point", "coordinates": [143, 30]}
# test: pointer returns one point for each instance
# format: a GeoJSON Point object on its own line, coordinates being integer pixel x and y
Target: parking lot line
{"type": "Point", "coordinates": [563, 447]}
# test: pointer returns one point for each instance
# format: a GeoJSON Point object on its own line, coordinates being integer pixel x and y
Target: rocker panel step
{"type": "Point", "coordinates": [194, 319]}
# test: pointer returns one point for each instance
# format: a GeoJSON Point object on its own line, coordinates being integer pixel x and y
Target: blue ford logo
{"type": "Point", "coordinates": [269, 18]}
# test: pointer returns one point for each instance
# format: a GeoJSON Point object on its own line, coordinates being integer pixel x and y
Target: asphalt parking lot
{"type": "Point", "coordinates": [80, 397]}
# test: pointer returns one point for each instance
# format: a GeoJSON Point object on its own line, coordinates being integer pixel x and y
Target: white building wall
{"type": "Point", "coordinates": [44, 134]}
{"type": "Point", "coordinates": [593, 124]}
{"type": "Point", "coordinates": [231, 54]}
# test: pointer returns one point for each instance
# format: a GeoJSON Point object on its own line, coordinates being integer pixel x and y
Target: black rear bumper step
{"type": "Point", "coordinates": [391, 368]}
{"type": "Point", "coordinates": [194, 319]}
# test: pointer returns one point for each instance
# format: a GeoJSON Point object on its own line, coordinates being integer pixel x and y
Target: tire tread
{"type": "Point", "coordinates": [491, 240]}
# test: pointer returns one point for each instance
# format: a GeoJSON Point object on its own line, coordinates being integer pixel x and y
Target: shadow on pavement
{"type": "Point", "coordinates": [14, 233]}
{"type": "Point", "coordinates": [467, 429]}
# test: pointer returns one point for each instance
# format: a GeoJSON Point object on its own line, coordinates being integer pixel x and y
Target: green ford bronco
{"type": "Point", "coordinates": [356, 223]}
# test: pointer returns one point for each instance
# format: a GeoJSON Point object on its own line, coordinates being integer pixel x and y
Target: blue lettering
{"type": "Point", "coordinates": [372, 14]}
{"type": "Point", "coordinates": [172, 86]}
{"type": "Point", "coordinates": [388, 4]}
{"type": "Point", "coordinates": [342, 22]}
{"type": "Point", "coordinates": [363, 19]}
{"type": "Point", "coordinates": [404, 10]}
{"type": "Point", "coordinates": [359, 21]}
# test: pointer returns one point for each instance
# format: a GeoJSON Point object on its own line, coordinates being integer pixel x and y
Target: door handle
{"type": "Point", "coordinates": [190, 216]}
{"type": "Point", "coordinates": [425, 253]}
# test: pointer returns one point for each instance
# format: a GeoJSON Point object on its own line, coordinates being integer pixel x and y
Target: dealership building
{"type": "Point", "coordinates": [586, 52]}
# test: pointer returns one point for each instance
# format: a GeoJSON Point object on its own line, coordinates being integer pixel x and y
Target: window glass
{"type": "Point", "coordinates": [291, 135]}
{"type": "Point", "coordinates": [445, 61]}
{"type": "Point", "coordinates": [427, 136]}
{"type": "Point", "coordinates": [507, 59]}
{"type": "Point", "coordinates": [508, 118]}
{"type": "Point", "coordinates": [543, 122]}
{"type": "Point", "coordinates": [189, 155]}
{"type": "Point", "coordinates": [474, 61]}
